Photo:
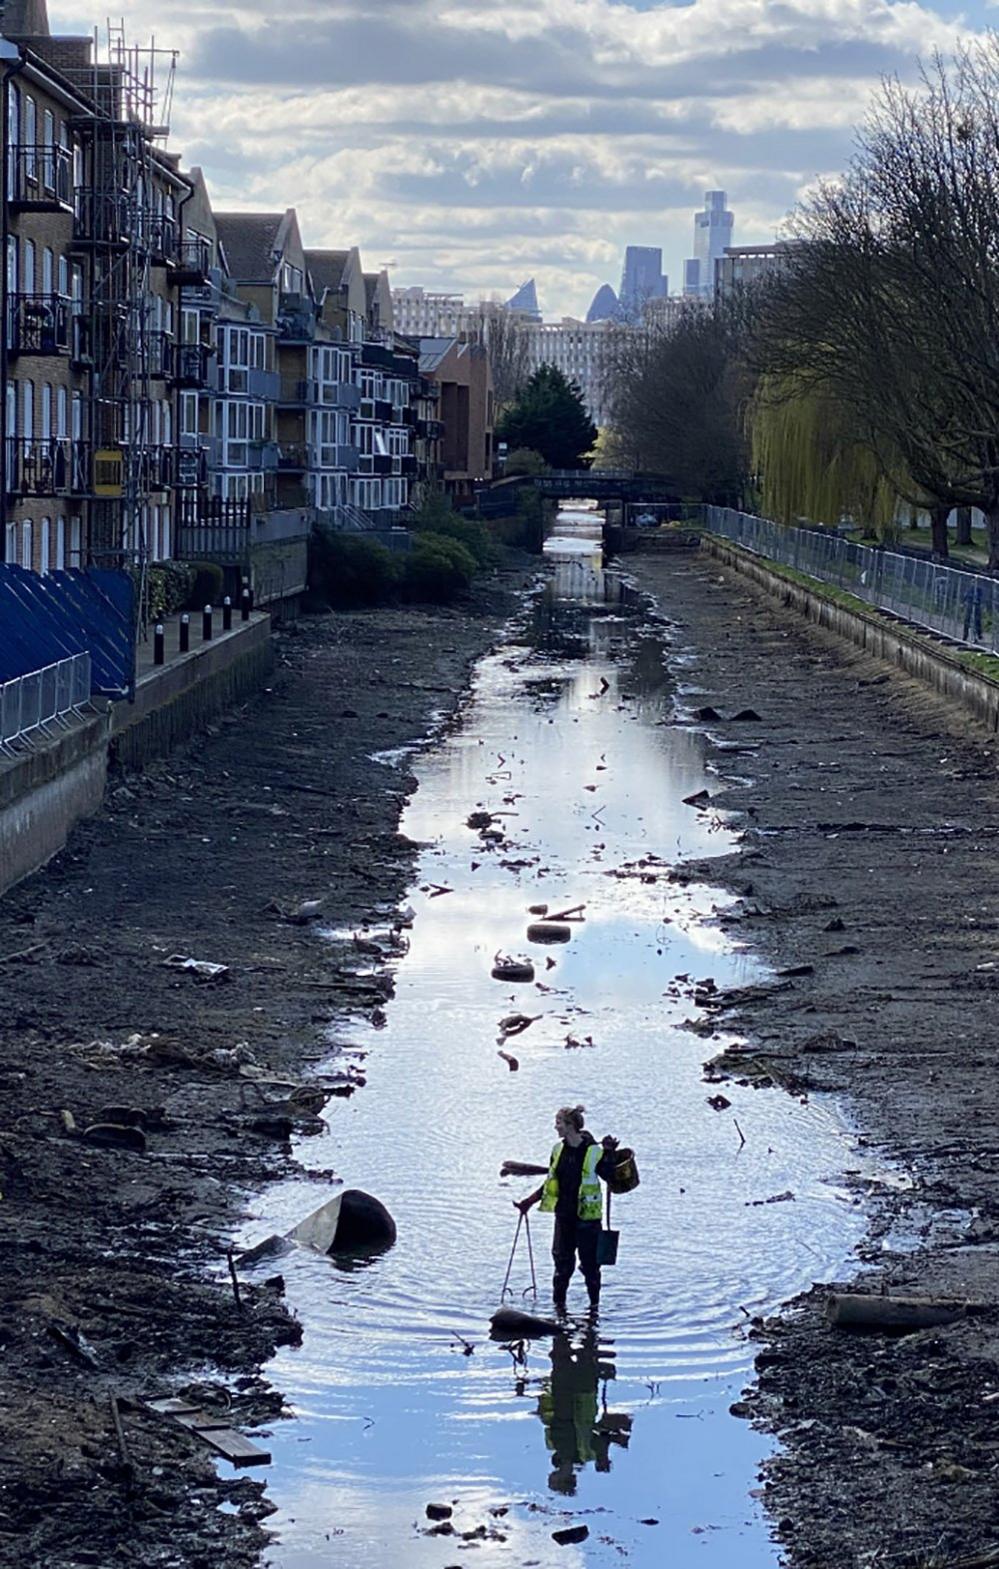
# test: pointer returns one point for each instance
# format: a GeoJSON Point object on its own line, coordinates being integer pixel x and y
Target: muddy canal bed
{"type": "Point", "coordinates": [400, 1399]}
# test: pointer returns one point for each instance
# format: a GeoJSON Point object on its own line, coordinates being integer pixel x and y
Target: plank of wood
{"type": "Point", "coordinates": [235, 1447]}
{"type": "Point", "coordinates": [171, 1406]}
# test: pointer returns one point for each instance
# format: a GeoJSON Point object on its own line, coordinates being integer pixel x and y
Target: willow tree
{"type": "Point", "coordinates": [810, 461]}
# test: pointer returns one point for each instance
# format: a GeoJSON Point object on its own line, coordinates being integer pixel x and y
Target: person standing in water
{"type": "Point", "coordinates": [572, 1192]}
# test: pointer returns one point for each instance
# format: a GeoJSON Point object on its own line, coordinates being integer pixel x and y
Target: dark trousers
{"type": "Point", "coordinates": [574, 1236]}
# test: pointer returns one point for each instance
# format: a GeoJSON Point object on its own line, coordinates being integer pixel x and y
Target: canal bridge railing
{"type": "Point", "coordinates": [957, 603]}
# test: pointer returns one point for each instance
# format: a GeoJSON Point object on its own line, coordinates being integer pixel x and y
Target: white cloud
{"type": "Point", "coordinates": [478, 142]}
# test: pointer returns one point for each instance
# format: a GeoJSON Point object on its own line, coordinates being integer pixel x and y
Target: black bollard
{"type": "Point", "coordinates": [244, 605]}
{"type": "Point", "coordinates": [227, 614]}
{"type": "Point", "coordinates": [185, 634]}
{"type": "Point", "coordinates": [250, 591]}
{"type": "Point", "coordinates": [159, 644]}
{"type": "Point", "coordinates": [206, 625]}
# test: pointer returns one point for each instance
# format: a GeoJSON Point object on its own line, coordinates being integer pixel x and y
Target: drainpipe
{"type": "Point", "coordinates": [13, 64]}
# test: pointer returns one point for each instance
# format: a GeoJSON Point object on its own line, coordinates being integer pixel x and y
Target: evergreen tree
{"type": "Point", "coordinates": [550, 417]}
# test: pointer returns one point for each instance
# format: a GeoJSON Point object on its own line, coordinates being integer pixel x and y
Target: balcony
{"type": "Point", "coordinates": [262, 457]}
{"type": "Point", "coordinates": [293, 457]}
{"type": "Point", "coordinates": [103, 221]}
{"type": "Point", "coordinates": [191, 261]}
{"type": "Point", "coordinates": [160, 355]}
{"type": "Point", "coordinates": [296, 318]}
{"type": "Point", "coordinates": [338, 394]}
{"type": "Point", "coordinates": [81, 343]}
{"type": "Point", "coordinates": [374, 463]}
{"type": "Point", "coordinates": [38, 324]}
{"type": "Point", "coordinates": [46, 466]}
{"type": "Point", "coordinates": [339, 455]}
{"type": "Point", "coordinates": [384, 412]}
{"type": "Point", "coordinates": [377, 356]}
{"type": "Point", "coordinates": [162, 238]}
{"type": "Point", "coordinates": [157, 467]}
{"type": "Point", "coordinates": [194, 367]}
{"type": "Point", "coordinates": [41, 178]}
{"type": "Point", "coordinates": [296, 392]}
{"type": "Point", "coordinates": [407, 464]}
{"type": "Point", "coordinates": [432, 429]}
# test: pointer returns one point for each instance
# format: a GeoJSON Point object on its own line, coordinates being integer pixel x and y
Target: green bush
{"type": "Point", "coordinates": [524, 460]}
{"type": "Point", "coordinates": [207, 586]}
{"type": "Point", "coordinates": [474, 536]}
{"type": "Point", "coordinates": [347, 570]}
{"type": "Point", "coordinates": [437, 569]}
{"type": "Point", "coordinates": [169, 588]}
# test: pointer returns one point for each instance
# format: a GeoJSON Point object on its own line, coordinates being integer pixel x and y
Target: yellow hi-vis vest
{"type": "Point", "coordinates": [590, 1201]}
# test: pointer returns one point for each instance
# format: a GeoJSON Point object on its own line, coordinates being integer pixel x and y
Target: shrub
{"type": "Point", "coordinates": [169, 588]}
{"type": "Point", "coordinates": [524, 460]}
{"type": "Point", "coordinates": [207, 586]}
{"type": "Point", "coordinates": [348, 570]}
{"type": "Point", "coordinates": [437, 569]}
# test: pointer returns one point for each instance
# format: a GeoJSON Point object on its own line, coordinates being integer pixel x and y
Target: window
{"type": "Point", "coordinates": [13, 136]}
{"type": "Point", "coordinates": [76, 428]}
{"type": "Point", "coordinates": [48, 154]}
{"type": "Point", "coordinates": [62, 401]}
{"type": "Point", "coordinates": [75, 542]}
{"type": "Point", "coordinates": [27, 544]}
{"type": "Point", "coordinates": [189, 413]}
{"type": "Point", "coordinates": [27, 408]}
{"type": "Point", "coordinates": [10, 545]}
{"type": "Point", "coordinates": [165, 538]}
{"type": "Point", "coordinates": [63, 276]}
{"type": "Point", "coordinates": [46, 540]}
{"type": "Point", "coordinates": [29, 266]}
{"type": "Point", "coordinates": [46, 425]}
{"type": "Point", "coordinates": [60, 545]}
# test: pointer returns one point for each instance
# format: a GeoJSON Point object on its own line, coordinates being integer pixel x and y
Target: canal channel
{"type": "Point", "coordinates": [574, 727]}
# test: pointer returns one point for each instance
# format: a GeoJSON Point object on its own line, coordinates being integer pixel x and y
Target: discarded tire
{"type": "Point", "coordinates": [364, 1223]}
{"type": "Point", "coordinates": [549, 931]}
{"type": "Point", "coordinates": [513, 970]}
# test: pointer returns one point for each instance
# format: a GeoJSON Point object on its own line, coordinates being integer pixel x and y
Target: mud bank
{"type": "Point", "coordinates": [869, 856]}
{"type": "Point", "coordinates": [115, 1279]}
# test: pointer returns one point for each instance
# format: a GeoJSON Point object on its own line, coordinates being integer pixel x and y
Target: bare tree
{"type": "Point", "coordinates": [891, 309]}
{"type": "Point", "coordinates": [504, 333]}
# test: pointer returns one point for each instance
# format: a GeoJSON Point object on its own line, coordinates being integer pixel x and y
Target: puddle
{"type": "Point", "coordinates": [569, 729]}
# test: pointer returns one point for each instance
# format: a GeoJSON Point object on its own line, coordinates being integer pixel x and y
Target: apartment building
{"type": "Point", "coordinates": [582, 351]}
{"type": "Point", "coordinates": [463, 374]}
{"type": "Point", "coordinates": [96, 254]}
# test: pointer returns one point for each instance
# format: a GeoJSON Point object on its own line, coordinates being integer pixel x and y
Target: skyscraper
{"type": "Point", "coordinates": [642, 280]}
{"type": "Point", "coordinates": [713, 230]}
{"type": "Point", "coordinates": [526, 301]}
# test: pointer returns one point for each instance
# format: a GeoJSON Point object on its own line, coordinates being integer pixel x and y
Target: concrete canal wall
{"type": "Point", "coordinates": [910, 650]}
{"type": "Point", "coordinates": [45, 792]}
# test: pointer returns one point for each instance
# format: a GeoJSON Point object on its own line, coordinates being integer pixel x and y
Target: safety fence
{"type": "Point", "coordinates": [962, 605]}
{"type": "Point", "coordinates": [30, 704]}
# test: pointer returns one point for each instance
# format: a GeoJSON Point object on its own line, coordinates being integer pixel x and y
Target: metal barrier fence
{"type": "Point", "coordinates": [962, 605]}
{"type": "Point", "coordinates": [32, 702]}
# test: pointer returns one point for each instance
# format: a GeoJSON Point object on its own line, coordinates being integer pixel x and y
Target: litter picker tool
{"type": "Point", "coordinates": [522, 1220]}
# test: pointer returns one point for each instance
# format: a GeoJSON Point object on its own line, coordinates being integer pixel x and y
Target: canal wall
{"type": "Point", "coordinates": [46, 791]}
{"type": "Point", "coordinates": [912, 651]}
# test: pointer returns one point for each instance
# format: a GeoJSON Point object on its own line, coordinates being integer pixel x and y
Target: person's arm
{"type": "Point", "coordinates": [526, 1204]}
{"type": "Point", "coordinates": [608, 1160]}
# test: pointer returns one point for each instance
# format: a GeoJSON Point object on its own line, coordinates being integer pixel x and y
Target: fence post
{"type": "Point", "coordinates": [244, 605]}
{"type": "Point", "coordinates": [206, 624]}
{"type": "Point", "coordinates": [159, 644]}
{"type": "Point", "coordinates": [185, 634]}
{"type": "Point", "coordinates": [227, 614]}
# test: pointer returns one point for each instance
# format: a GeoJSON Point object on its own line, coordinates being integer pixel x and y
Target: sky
{"type": "Point", "coordinates": [471, 144]}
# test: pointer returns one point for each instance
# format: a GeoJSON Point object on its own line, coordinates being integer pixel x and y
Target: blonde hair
{"type": "Point", "coordinates": [573, 1115]}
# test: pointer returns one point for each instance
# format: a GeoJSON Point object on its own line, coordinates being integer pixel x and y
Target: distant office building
{"type": "Point", "coordinates": [582, 351]}
{"type": "Point", "coordinates": [663, 316]}
{"type": "Point", "coordinates": [745, 264]}
{"type": "Point", "coordinates": [642, 280]}
{"type": "Point", "coordinates": [525, 301]}
{"type": "Point", "coordinates": [605, 306]}
{"type": "Point", "coordinates": [422, 313]}
{"type": "Point", "coordinates": [713, 230]}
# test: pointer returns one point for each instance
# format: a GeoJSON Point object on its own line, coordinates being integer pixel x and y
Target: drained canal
{"type": "Point", "coordinates": [573, 728]}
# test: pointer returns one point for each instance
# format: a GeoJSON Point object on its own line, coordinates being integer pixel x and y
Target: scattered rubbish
{"type": "Point", "coordinates": [746, 716]}
{"type": "Point", "coordinates": [77, 1344]}
{"type": "Point", "coordinates": [706, 715]}
{"type": "Point", "coordinates": [467, 1346]}
{"type": "Point", "coordinates": [439, 1511]}
{"type": "Point", "coordinates": [511, 1324]}
{"type": "Point", "coordinates": [700, 798]}
{"type": "Point", "coordinates": [793, 970]}
{"type": "Point", "coordinates": [200, 968]}
{"type": "Point", "coordinates": [837, 924]}
{"type": "Point", "coordinates": [301, 915]}
{"type": "Point", "coordinates": [517, 1023]}
{"type": "Point", "coordinates": [538, 909]}
{"type": "Point", "coordinates": [110, 1135]}
{"type": "Point", "coordinates": [351, 1222]}
{"type": "Point", "coordinates": [573, 913]}
{"type": "Point", "coordinates": [513, 1063]}
{"type": "Point", "coordinates": [520, 1168]}
{"type": "Point", "coordinates": [718, 1103]}
{"type": "Point", "coordinates": [893, 1315]}
{"type": "Point", "coordinates": [549, 931]}
{"type": "Point", "coordinates": [507, 968]}
{"type": "Point", "coordinates": [212, 1429]}
{"type": "Point", "coordinates": [572, 1044]}
{"type": "Point", "coordinates": [571, 1535]}
{"type": "Point", "coordinates": [776, 1198]}
{"type": "Point", "coordinates": [436, 889]}
{"type": "Point", "coordinates": [742, 1140]}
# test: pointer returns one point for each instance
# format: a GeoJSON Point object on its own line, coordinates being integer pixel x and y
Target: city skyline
{"type": "Point", "coordinates": [482, 146]}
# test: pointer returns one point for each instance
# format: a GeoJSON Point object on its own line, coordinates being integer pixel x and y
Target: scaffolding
{"type": "Point", "coordinates": [121, 229]}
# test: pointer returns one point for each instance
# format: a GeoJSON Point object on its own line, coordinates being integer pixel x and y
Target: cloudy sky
{"type": "Point", "coordinates": [471, 144]}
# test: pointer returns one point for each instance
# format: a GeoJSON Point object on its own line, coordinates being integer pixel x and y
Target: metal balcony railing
{"type": "Point", "coordinates": [40, 178]}
{"type": "Point", "coordinates": [38, 324]}
{"type": "Point", "coordinates": [293, 457]}
{"type": "Point", "coordinates": [46, 466]}
{"type": "Point", "coordinates": [193, 364]}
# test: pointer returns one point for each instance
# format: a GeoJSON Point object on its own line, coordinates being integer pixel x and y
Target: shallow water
{"type": "Point", "coordinates": [570, 729]}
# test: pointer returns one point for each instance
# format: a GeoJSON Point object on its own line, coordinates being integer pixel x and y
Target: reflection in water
{"type": "Point", "coordinates": [570, 734]}
{"type": "Point", "coordinates": [579, 1428]}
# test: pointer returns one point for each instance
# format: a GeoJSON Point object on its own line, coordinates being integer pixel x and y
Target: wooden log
{"type": "Point", "coordinates": [511, 1324]}
{"type": "Point", "coordinates": [891, 1315]}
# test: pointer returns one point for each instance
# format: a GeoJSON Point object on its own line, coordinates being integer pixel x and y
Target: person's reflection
{"type": "Point", "coordinates": [579, 1429]}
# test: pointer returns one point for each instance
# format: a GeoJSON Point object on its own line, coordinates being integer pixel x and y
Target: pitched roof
{"type": "Point", "coordinates": [327, 269]}
{"type": "Point", "coordinates": [251, 244]}
{"type": "Point", "coordinates": [433, 351]}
